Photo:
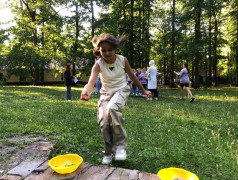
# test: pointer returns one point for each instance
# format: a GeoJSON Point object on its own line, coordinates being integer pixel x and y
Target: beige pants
{"type": "Point", "coordinates": [110, 119]}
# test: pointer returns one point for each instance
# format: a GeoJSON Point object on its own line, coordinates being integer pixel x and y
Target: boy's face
{"type": "Point", "coordinates": [107, 52]}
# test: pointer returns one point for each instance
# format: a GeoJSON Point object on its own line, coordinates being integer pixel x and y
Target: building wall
{"type": "Point", "coordinates": [12, 78]}
{"type": "Point", "coordinates": [85, 78]}
{"type": "Point", "coordinates": [49, 76]}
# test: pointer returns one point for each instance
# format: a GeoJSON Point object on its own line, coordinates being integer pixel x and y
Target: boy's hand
{"type": "Point", "coordinates": [85, 95]}
{"type": "Point", "coordinates": [148, 94]}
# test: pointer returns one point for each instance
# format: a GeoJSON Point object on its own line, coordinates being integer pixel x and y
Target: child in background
{"type": "Point", "coordinates": [129, 82]}
{"type": "Point", "coordinates": [132, 84]}
{"type": "Point", "coordinates": [114, 93]}
{"type": "Point", "coordinates": [143, 78]}
{"type": "Point", "coordinates": [98, 85]}
{"type": "Point", "coordinates": [137, 73]}
{"type": "Point", "coordinates": [184, 81]}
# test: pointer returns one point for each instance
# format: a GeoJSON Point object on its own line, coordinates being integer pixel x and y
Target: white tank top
{"type": "Point", "coordinates": [113, 76]}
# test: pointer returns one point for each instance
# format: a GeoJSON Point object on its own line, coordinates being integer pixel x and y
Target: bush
{"type": "Point", "coordinates": [3, 80]}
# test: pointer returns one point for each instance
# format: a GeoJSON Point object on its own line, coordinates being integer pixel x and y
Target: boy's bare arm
{"type": "Point", "coordinates": [88, 88]}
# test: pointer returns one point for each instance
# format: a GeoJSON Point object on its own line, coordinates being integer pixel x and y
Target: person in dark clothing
{"type": "Point", "coordinates": [68, 80]}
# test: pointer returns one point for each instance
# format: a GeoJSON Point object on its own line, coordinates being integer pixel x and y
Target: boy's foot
{"type": "Point", "coordinates": [192, 99]}
{"type": "Point", "coordinates": [156, 98]}
{"type": "Point", "coordinates": [149, 99]}
{"type": "Point", "coordinates": [107, 159]}
{"type": "Point", "coordinates": [120, 155]}
{"type": "Point", "coordinates": [182, 98]}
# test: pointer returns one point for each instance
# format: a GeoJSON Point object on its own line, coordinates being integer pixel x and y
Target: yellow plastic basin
{"type": "Point", "coordinates": [67, 163]}
{"type": "Point", "coordinates": [176, 173]}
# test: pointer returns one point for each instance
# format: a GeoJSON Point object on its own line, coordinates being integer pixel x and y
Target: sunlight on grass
{"type": "Point", "coordinates": [23, 93]}
{"type": "Point", "coordinates": [218, 98]}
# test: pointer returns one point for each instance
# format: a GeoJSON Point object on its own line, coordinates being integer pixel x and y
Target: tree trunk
{"type": "Point", "coordinates": [193, 73]}
{"type": "Point", "coordinates": [197, 44]}
{"type": "Point", "coordinates": [92, 10]}
{"type": "Point", "coordinates": [147, 39]}
{"type": "Point", "coordinates": [124, 17]}
{"type": "Point", "coordinates": [35, 65]}
{"type": "Point", "coordinates": [140, 49]}
{"type": "Point", "coordinates": [131, 37]}
{"type": "Point", "coordinates": [76, 37]}
{"type": "Point", "coordinates": [237, 50]}
{"type": "Point", "coordinates": [173, 46]}
{"type": "Point", "coordinates": [215, 52]}
{"type": "Point", "coordinates": [31, 73]}
{"type": "Point", "coordinates": [42, 77]}
{"type": "Point", "coordinates": [166, 71]}
{"type": "Point", "coordinates": [228, 68]}
{"type": "Point", "coordinates": [206, 67]}
{"type": "Point", "coordinates": [209, 81]}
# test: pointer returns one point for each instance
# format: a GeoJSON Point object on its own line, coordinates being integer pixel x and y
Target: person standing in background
{"type": "Point", "coordinates": [129, 81]}
{"type": "Point", "coordinates": [132, 84]}
{"type": "Point", "coordinates": [98, 85]}
{"type": "Point", "coordinates": [184, 81]}
{"type": "Point", "coordinates": [143, 78]}
{"type": "Point", "coordinates": [137, 73]}
{"type": "Point", "coordinates": [152, 80]}
{"type": "Point", "coordinates": [68, 80]}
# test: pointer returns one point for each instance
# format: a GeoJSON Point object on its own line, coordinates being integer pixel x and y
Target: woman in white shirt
{"type": "Point", "coordinates": [152, 80]}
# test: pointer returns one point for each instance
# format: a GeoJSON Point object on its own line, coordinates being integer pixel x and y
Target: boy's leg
{"type": "Point", "coordinates": [114, 112]}
{"type": "Point", "coordinates": [105, 127]}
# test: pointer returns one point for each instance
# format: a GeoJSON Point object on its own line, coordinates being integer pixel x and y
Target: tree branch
{"type": "Point", "coordinates": [46, 19]}
{"type": "Point", "coordinates": [27, 6]}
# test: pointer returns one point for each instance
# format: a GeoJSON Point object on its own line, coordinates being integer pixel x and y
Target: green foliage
{"type": "Point", "coordinates": [131, 18]}
{"type": "Point", "coordinates": [42, 34]}
{"type": "Point", "coordinates": [200, 137]}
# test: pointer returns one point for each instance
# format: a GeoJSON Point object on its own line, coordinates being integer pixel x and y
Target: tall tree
{"type": "Point", "coordinates": [197, 42]}
{"type": "Point", "coordinates": [30, 15]}
{"type": "Point", "coordinates": [209, 79]}
{"type": "Point", "coordinates": [173, 44]}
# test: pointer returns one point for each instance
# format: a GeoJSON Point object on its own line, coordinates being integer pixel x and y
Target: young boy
{"type": "Point", "coordinates": [114, 93]}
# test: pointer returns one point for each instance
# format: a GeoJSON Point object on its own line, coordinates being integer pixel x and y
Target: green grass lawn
{"type": "Point", "coordinates": [201, 137]}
